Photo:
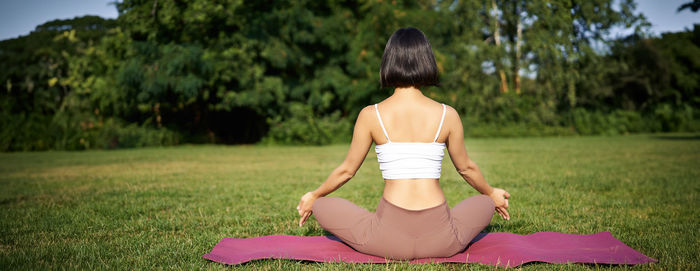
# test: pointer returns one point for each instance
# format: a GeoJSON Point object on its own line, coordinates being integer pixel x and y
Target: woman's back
{"type": "Point", "coordinates": [408, 116]}
{"type": "Point", "coordinates": [410, 132]}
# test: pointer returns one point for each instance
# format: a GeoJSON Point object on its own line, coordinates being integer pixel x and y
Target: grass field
{"type": "Point", "coordinates": [164, 207]}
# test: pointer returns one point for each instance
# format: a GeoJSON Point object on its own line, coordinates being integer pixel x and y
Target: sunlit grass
{"type": "Point", "coordinates": [165, 207]}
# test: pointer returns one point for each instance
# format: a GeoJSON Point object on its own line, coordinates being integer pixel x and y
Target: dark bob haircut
{"type": "Point", "coordinates": [408, 60]}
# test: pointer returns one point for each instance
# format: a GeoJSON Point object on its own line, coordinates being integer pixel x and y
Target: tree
{"type": "Point", "coordinates": [34, 68]}
{"type": "Point", "coordinates": [692, 5]}
{"type": "Point", "coordinates": [299, 72]}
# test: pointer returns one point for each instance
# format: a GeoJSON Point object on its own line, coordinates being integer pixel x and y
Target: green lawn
{"type": "Point", "coordinates": [165, 207]}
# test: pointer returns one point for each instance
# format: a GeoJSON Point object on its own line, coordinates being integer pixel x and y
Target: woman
{"type": "Point", "coordinates": [410, 132]}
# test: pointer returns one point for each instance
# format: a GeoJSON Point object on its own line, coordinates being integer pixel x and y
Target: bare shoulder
{"type": "Point", "coordinates": [451, 113]}
{"type": "Point", "coordinates": [364, 116]}
{"type": "Point", "coordinates": [452, 119]}
{"type": "Point", "coordinates": [450, 109]}
{"type": "Point", "coordinates": [366, 111]}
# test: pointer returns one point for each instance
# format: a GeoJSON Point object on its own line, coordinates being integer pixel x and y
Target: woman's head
{"type": "Point", "coordinates": [408, 60]}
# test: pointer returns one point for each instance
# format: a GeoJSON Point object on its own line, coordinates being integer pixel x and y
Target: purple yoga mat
{"type": "Point", "coordinates": [499, 248]}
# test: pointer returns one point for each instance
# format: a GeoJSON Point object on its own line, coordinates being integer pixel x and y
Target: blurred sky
{"type": "Point", "coordinates": [19, 17]}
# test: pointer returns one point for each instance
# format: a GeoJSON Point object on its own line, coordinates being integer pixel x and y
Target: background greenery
{"type": "Point", "coordinates": [153, 208]}
{"type": "Point", "coordinates": [297, 72]}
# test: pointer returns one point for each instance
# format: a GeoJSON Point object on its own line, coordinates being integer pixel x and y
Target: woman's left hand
{"type": "Point", "coordinates": [500, 199]}
{"type": "Point", "coordinates": [305, 205]}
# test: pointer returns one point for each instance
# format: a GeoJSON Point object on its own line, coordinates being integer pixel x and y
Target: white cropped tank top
{"type": "Point", "coordinates": [410, 160]}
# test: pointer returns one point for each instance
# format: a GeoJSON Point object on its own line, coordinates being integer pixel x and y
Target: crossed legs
{"type": "Point", "coordinates": [402, 234]}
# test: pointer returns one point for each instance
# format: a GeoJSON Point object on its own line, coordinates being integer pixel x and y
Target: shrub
{"type": "Point", "coordinates": [305, 128]}
{"type": "Point", "coordinates": [24, 132]}
{"type": "Point", "coordinates": [116, 135]}
{"type": "Point", "coordinates": [513, 129]}
{"type": "Point", "coordinates": [36, 132]}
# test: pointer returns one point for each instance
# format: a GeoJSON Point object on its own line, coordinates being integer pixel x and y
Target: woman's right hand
{"type": "Point", "coordinates": [305, 205]}
{"type": "Point", "coordinates": [500, 198]}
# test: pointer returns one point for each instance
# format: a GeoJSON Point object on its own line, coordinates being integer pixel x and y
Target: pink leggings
{"type": "Point", "coordinates": [397, 233]}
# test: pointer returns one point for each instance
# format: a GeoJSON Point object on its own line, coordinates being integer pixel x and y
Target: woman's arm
{"type": "Point", "coordinates": [467, 168]}
{"type": "Point", "coordinates": [361, 141]}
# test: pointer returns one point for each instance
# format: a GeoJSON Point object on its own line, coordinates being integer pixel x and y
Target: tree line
{"type": "Point", "coordinates": [298, 72]}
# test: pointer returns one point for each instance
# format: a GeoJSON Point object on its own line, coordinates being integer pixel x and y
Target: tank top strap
{"type": "Point", "coordinates": [442, 119]}
{"type": "Point", "coordinates": [381, 123]}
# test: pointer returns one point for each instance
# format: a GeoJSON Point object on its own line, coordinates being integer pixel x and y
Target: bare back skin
{"type": "Point", "coordinates": [410, 117]}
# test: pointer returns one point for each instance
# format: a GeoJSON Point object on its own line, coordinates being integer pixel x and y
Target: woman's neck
{"type": "Point", "coordinates": [407, 92]}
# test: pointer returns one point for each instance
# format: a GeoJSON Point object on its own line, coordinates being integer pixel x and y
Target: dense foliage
{"type": "Point", "coordinates": [298, 72]}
